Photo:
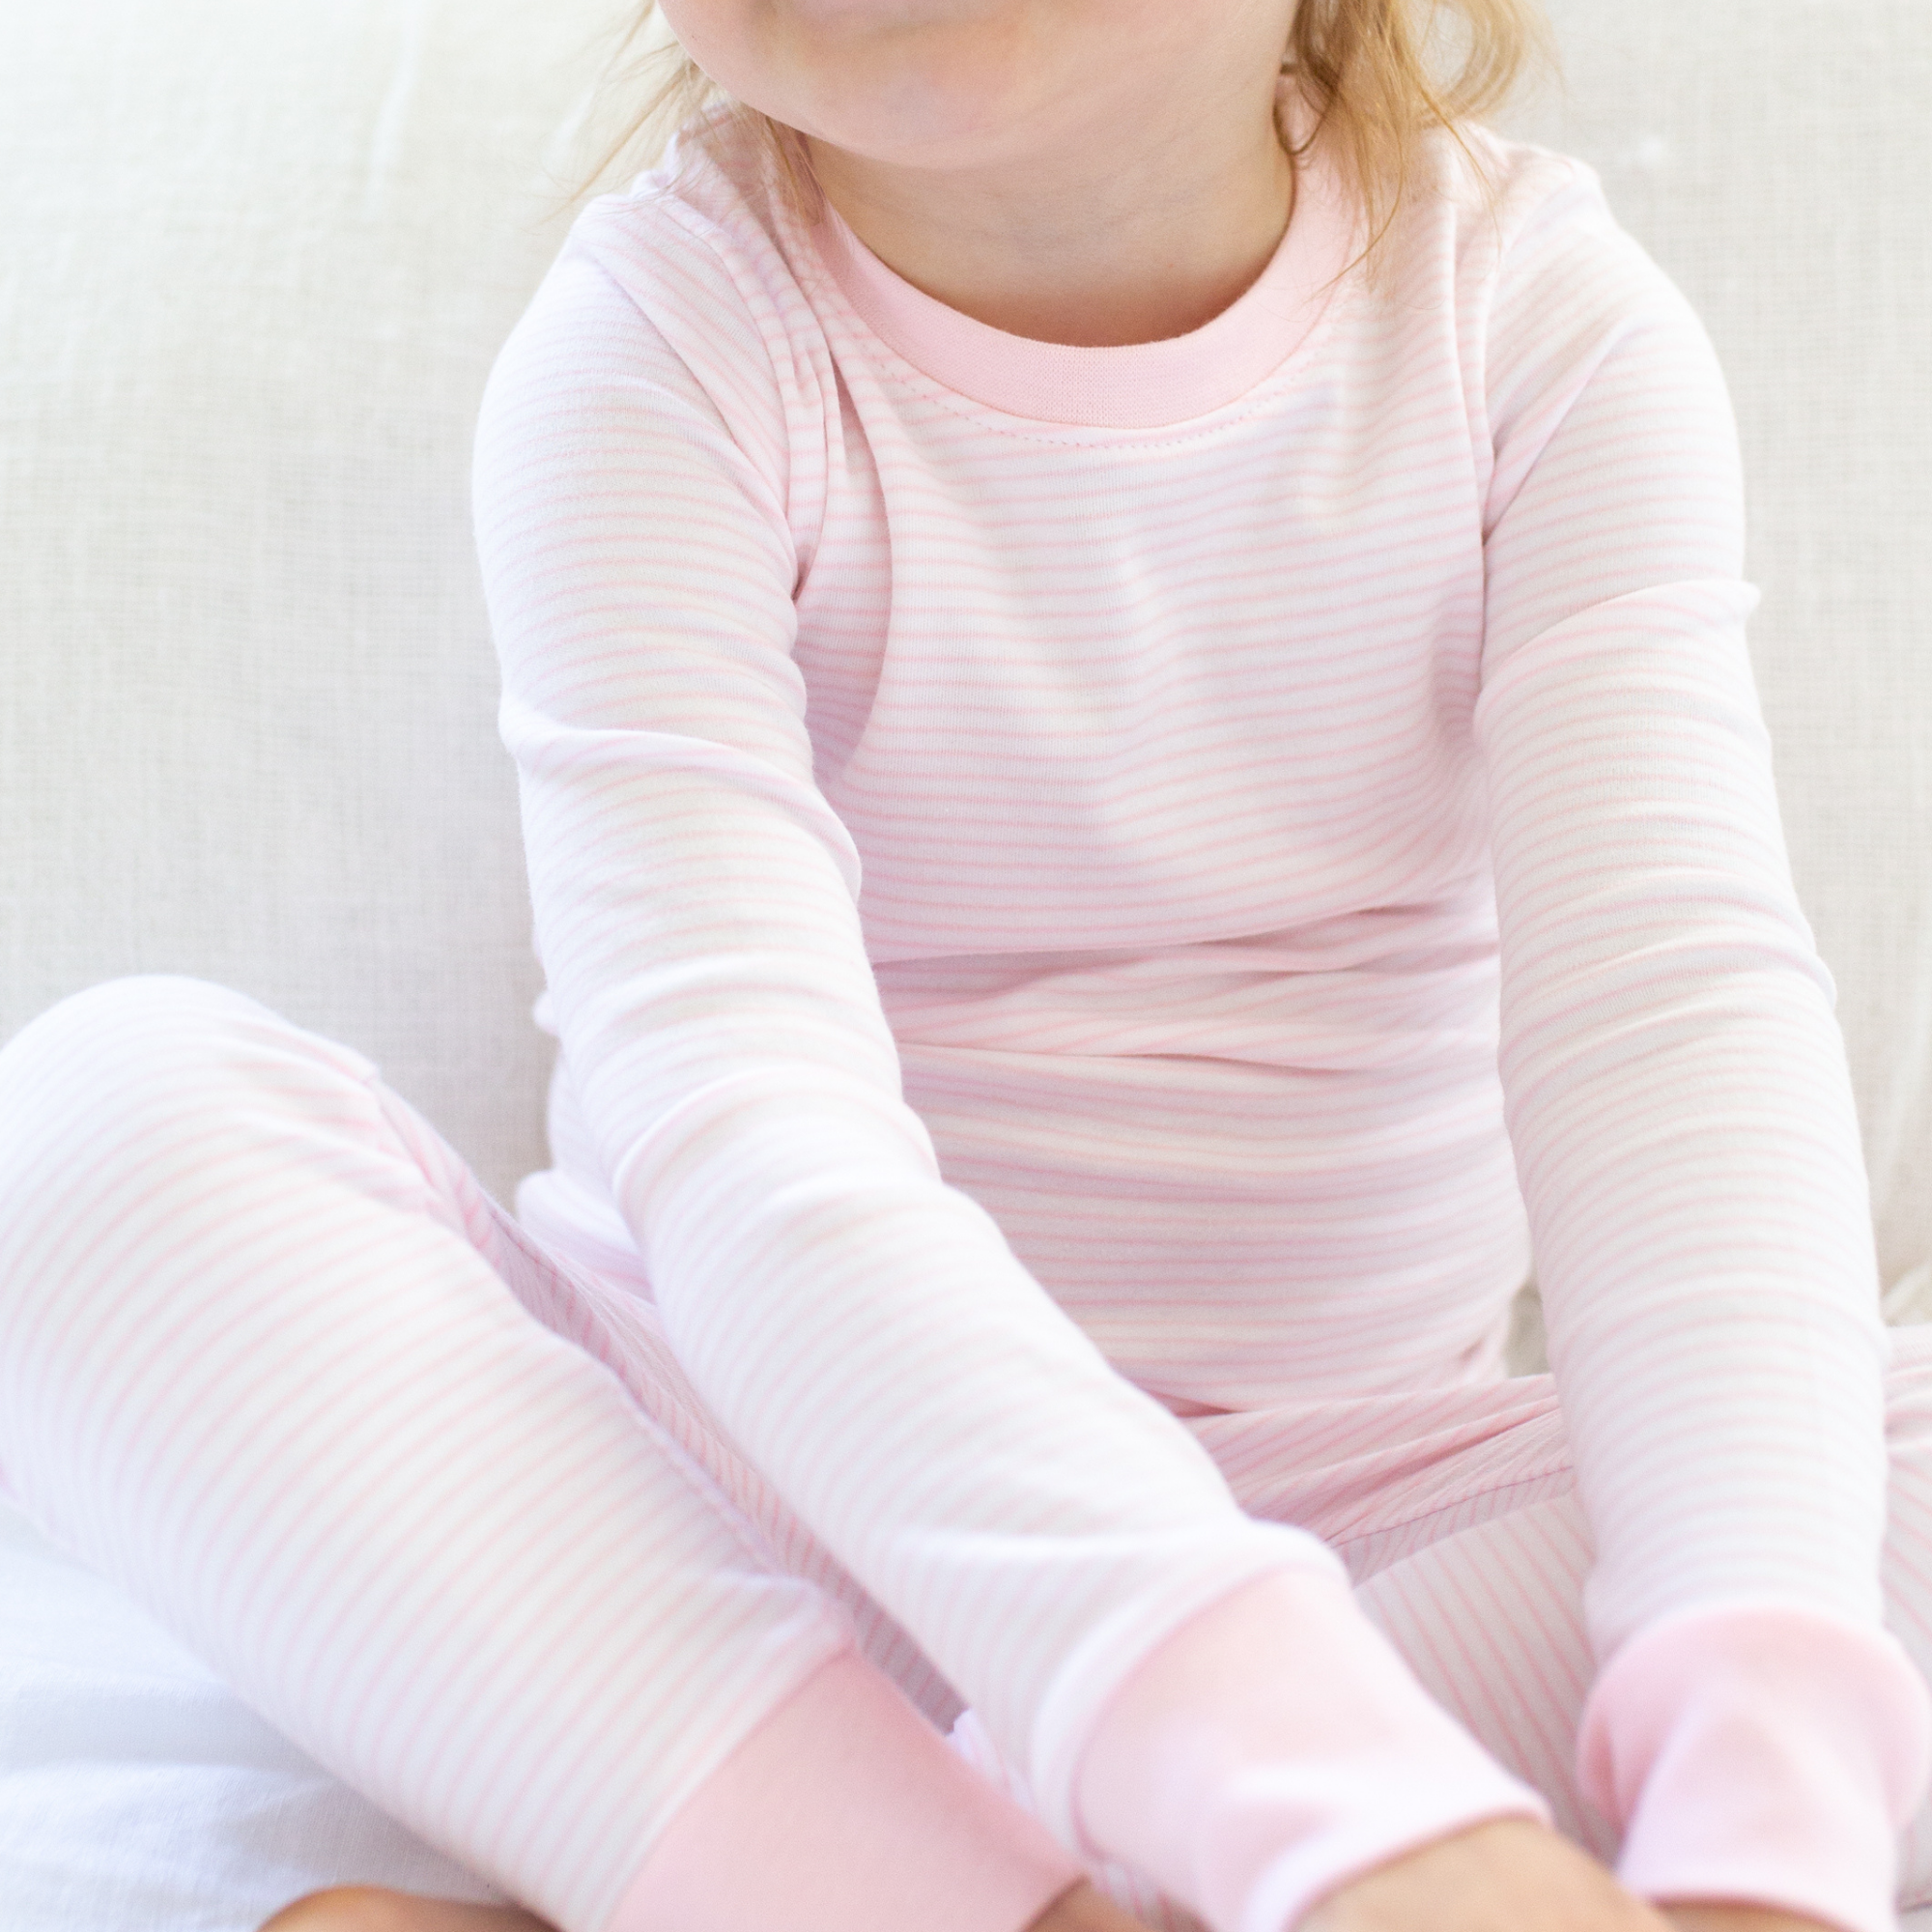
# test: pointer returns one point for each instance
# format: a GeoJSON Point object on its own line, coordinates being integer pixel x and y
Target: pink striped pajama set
{"type": "Point", "coordinates": [1096, 904]}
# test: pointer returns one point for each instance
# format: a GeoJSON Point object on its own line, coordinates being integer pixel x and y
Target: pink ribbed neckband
{"type": "Point", "coordinates": [1144, 384]}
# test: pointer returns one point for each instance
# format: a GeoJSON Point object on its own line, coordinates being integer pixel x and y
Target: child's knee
{"type": "Point", "coordinates": [123, 1017]}
{"type": "Point", "coordinates": [135, 1062]}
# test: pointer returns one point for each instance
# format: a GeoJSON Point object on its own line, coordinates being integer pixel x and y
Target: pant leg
{"type": "Point", "coordinates": [268, 1362]}
{"type": "Point", "coordinates": [1907, 1554]}
{"type": "Point", "coordinates": [1458, 1516]}
{"type": "Point", "coordinates": [139, 1794]}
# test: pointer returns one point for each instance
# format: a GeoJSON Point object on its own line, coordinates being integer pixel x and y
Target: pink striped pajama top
{"type": "Point", "coordinates": [1077, 884]}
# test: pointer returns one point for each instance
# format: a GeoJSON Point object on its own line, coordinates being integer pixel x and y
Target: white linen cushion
{"type": "Point", "coordinates": [259, 260]}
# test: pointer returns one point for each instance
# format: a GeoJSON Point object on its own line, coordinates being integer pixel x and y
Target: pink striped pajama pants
{"type": "Point", "coordinates": [447, 1512]}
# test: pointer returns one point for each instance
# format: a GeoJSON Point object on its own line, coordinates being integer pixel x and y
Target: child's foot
{"type": "Point", "coordinates": [371, 1908]}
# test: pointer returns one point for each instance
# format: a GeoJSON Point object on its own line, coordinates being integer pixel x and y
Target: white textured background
{"type": "Point", "coordinates": [258, 259]}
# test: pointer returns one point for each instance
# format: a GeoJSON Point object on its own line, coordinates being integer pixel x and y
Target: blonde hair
{"type": "Point", "coordinates": [1367, 66]}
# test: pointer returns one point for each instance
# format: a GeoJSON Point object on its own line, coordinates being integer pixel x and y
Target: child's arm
{"type": "Point", "coordinates": [1682, 1115]}
{"type": "Point", "coordinates": [862, 1329]}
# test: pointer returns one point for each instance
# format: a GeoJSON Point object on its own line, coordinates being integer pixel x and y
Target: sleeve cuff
{"type": "Point", "coordinates": [1762, 1755]}
{"type": "Point", "coordinates": [1273, 1747]}
{"type": "Point", "coordinates": [845, 1811]}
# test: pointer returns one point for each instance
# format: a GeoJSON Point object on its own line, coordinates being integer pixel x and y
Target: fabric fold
{"type": "Point", "coordinates": [1760, 1752]}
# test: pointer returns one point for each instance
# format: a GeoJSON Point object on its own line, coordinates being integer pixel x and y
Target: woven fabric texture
{"type": "Point", "coordinates": [260, 259]}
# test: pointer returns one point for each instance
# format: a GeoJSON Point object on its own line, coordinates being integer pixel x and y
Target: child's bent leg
{"type": "Point", "coordinates": [256, 1368]}
{"type": "Point", "coordinates": [1474, 1559]}
{"type": "Point", "coordinates": [1907, 1554]}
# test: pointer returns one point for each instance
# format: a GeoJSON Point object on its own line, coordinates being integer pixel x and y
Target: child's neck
{"type": "Point", "coordinates": [1103, 245]}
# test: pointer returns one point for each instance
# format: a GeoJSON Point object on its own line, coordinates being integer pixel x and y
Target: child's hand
{"type": "Point", "coordinates": [1510, 1875]}
{"type": "Point", "coordinates": [1085, 1910]}
{"type": "Point", "coordinates": [374, 1908]}
{"type": "Point", "coordinates": [1739, 1918]}
{"type": "Point", "coordinates": [368, 1908]}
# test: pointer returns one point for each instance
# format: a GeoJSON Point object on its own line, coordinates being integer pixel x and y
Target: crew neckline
{"type": "Point", "coordinates": [1134, 385]}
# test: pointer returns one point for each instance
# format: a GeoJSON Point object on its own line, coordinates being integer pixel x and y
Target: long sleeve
{"type": "Point", "coordinates": [1683, 1122]}
{"type": "Point", "coordinates": [860, 1328]}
